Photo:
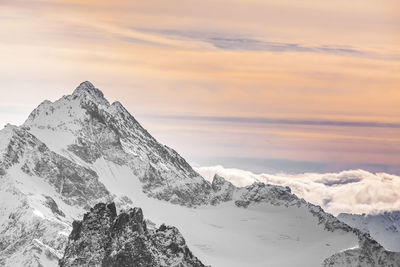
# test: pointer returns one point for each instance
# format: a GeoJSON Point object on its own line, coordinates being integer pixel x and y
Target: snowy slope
{"type": "Point", "coordinates": [40, 194]}
{"type": "Point", "coordinates": [225, 235]}
{"type": "Point", "coordinates": [383, 227]}
{"type": "Point", "coordinates": [81, 150]}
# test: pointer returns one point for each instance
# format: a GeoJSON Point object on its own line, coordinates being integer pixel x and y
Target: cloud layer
{"type": "Point", "coordinates": [353, 191]}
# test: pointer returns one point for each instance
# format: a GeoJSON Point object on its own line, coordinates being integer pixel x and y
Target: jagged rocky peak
{"type": "Point", "coordinates": [272, 194]}
{"type": "Point", "coordinates": [105, 238]}
{"type": "Point", "coordinates": [219, 182]}
{"type": "Point", "coordinates": [88, 88]}
{"type": "Point", "coordinates": [87, 91]}
{"type": "Point", "coordinates": [223, 190]}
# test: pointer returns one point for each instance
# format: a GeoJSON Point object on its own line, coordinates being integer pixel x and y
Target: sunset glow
{"type": "Point", "coordinates": [313, 81]}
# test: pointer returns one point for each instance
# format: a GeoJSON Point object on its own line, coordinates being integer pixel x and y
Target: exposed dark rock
{"type": "Point", "coordinates": [223, 190]}
{"type": "Point", "coordinates": [85, 150]}
{"type": "Point", "coordinates": [104, 238]}
{"type": "Point", "coordinates": [87, 87]}
{"type": "Point", "coordinates": [272, 194]}
{"type": "Point", "coordinates": [50, 203]}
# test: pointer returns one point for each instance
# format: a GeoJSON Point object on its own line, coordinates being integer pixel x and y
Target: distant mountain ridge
{"type": "Point", "coordinates": [383, 227]}
{"type": "Point", "coordinates": [80, 150]}
{"type": "Point", "coordinates": [348, 191]}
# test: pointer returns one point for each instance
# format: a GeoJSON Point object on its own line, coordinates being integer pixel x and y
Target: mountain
{"type": "Point", "coordinates": [125, 239]}
{"type": "Point", "coordinates": [383, 227]}
{"type": "Point", "coordinates": [85, 127]}
{"type": "Point", "coordinates": [81, 150]}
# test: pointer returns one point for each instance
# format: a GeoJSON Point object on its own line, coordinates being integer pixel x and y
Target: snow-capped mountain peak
{"type": "Point", "coordinates": [88, 89]}
{"type": "Point", "coordinates": [86, 127]}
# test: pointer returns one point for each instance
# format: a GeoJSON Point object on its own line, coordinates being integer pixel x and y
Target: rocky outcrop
{"type": "Point", "coordinates": [383, 227]}
{"type": "Point", "coordinates": [105, 238]}
{"type": "Point", "coordinates": [368, 254]}
{"type": "Point", "coordinates": [266, 193]}
{"type": "Point", "coordinates": [52, 205]}
{"type": "Point", "coordinates": [222, 189]}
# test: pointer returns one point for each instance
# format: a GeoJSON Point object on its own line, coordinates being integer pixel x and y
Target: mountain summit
{"type": "Point", "coordinates": [80, 150]}
{"type": "Point", "coordinates": [87, 88]}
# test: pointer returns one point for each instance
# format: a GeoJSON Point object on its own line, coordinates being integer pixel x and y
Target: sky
{"type": "Point", "coordinates": [267, 86]}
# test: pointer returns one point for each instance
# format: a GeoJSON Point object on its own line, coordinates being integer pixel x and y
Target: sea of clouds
{"type": "Point", "coordinates": [352, 191]}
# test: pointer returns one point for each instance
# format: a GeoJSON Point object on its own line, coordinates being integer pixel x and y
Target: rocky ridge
{"type": "Point", "coordinates": [26, 163]}
{"type": "Point", "coordinates": [383, 227]}
{"type": "Point", "coordinates": [369, 253]}
{"type": "Point", "coordinates": [106, 238]}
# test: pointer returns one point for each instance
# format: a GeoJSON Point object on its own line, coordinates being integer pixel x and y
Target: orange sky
{"type": "Point", "coordinates": [336, 61]}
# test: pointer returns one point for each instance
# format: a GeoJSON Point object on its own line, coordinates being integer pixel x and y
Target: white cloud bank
{"type": "Point", "coordinates": [353, 191]}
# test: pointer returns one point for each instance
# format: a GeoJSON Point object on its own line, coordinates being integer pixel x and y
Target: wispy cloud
{"type": "Point", "coordinates": [259, 45]}
{"type": "Point", "coordinates": [139, 40]}
{"type": "Point", "coordinates": [226, 42]}
{"type": "Point", "coordinates": [288, 121]}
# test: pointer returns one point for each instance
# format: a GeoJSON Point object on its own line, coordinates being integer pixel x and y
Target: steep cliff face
{"type": "Point", "coordinates": [26, 237]}
{"type": "Point", "coordinates": [105, 238]}
{"type": "Point", "coordinates": [33, 180]}
{"type": "Point", "coordinates": [76, 184]}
